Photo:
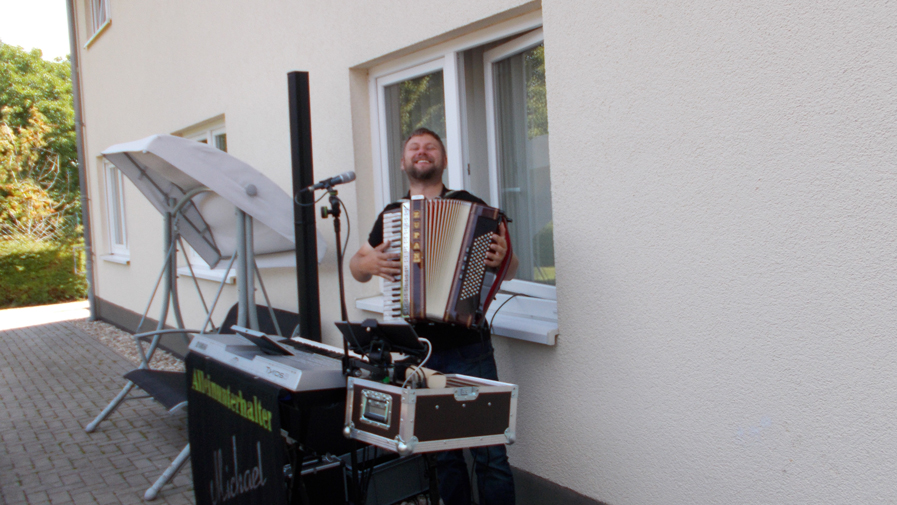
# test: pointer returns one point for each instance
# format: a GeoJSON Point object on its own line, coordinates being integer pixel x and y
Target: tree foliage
{"type": "Point", "coordinates": [38, 156]}
{"type": "Point", "coordinates": [536, 96]}
{"type": "Point", "coordinates": [422, 104]}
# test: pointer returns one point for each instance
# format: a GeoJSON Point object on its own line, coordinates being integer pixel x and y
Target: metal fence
{"type": "Point", "coordinates": [38, 235]}
{"type": "Point", "coordinates": [55, 229]}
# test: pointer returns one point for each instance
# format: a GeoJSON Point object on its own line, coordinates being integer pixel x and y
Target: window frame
{"type": "Point", "coordinates": [93, 8]}
{"type": "Point", "coordinates": [118, 251]}
{"type": "Point", "coordinates": [511, 48]}
{"type": "Point", "coordinates": [448, 65]}
{"type": "Point", "coordinates": [428, 67]}
{"type": "Point", "coordinates": [208, 135]}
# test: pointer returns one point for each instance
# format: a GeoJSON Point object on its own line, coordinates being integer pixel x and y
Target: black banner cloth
{"type": "Point", "coordinates": [236, 448]}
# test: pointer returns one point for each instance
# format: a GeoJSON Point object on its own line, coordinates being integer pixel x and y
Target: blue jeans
{"type": "Point", "coordinates": [495, 483]}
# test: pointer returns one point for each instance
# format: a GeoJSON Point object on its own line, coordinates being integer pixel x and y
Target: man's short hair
{"type": "Point", "coordinates": [424, 131]}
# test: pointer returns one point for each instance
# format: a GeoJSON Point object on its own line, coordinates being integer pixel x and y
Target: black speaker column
{"type": "Point", "coordinates": [303, 208]}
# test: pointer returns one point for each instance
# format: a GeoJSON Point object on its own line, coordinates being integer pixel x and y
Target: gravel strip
{"type": "Point", "coordinates": [122, 342]}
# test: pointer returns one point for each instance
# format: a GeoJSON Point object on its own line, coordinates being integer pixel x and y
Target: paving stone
{"type": "Point", "coordinates": [105, 498]}
{"type": "Point", "coordinates": [72, 480]}
{"type": "Point", "coordinates": [54, 380]}
{"type": "Point", "coordinates": [59, 497]}
{"type": "Point", "coordinates": [14, 497]}
{"type": "Point", "coordinates": [82, 497]}
{"type": "Point", "coordinates": [37, 497]}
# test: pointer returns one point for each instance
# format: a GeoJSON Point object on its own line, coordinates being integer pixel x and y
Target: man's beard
{"type": "Point", "coordinates": [428, 174]}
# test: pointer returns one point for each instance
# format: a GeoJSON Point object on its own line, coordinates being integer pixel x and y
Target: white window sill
{"type": "Point", "coordinates": [202, 271]}
{"type": "Point", "coordinates": [98, 33]}
{"type": "Point", "coordinates": [121, 259]}
{"type": "Point", "coordinates": [218, 275]}
{"type": "Point", "coordinates": [522, 318]}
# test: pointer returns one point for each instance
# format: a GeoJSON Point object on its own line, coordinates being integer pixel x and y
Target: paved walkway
{"type": "Point", "coordinates": [24, 317]}
{"type": "Point", "coordinates": [54, 380]}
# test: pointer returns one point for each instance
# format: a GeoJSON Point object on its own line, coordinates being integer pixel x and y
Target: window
{"type": "Point", "coordinates": [412, 103]}
{"type": "Point", "coordinates": [100, 18]}
{"type": "Point", "coordinates": [486, 97]}
{"type": "Point", "coordinates": [485, 94]}
{"type": "Point", "coordinates": [423, 95]}
{"type": "Point", "coordinates": [517, 141]}
{"type": "Point", "coordinates": [115, 214]}
{"type": "Point", "coordinates": [99, 11]}
{"type": "Point", "coordinates": [215, 136]}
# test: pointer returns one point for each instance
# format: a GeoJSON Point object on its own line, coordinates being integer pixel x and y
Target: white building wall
{"type": "Point", "coordinates": [723, 180]}
{"type": "Point", "coordinates": [724, 221]}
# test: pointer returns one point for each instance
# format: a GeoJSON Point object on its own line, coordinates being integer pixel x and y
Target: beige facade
{"type": "Point", "coordinates": [722, 186]}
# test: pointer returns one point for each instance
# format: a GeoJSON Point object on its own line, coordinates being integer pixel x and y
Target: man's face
{"type": "Point", "coordinates": [423, 159]}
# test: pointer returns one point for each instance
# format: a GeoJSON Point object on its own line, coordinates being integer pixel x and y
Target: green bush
{"type": "Point", "coordinates": [39, 273]}
{"type": "Point", "coordinates": [543, 245]}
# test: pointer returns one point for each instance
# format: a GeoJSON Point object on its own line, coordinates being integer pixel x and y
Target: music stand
{"type": "Point", "coordinates": [401, 337]}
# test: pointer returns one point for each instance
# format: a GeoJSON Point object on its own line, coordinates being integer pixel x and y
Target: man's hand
{"type": "Point", "coordinates": [370, 261]}
{"type": "Point", "coordinates": [498, 250]}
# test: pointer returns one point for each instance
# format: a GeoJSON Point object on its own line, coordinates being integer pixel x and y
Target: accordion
{"type": "Point", "coordinates": [442, 245]}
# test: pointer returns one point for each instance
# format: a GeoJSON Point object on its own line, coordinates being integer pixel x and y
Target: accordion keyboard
{"type": "Point", "coordinates": [392, 290]}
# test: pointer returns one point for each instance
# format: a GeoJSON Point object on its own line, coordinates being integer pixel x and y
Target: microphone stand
{"type": "Point", "coordinates": [334, 211]}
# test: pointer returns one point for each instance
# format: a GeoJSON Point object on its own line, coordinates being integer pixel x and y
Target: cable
{"type": "Point", "coordinates": [348, 224]}
{"type": "Point", "coordinates": [515, 295]}
{"type": "Point", "coordinates": [421, 365]}
{"type": "Point", "coordinates": [297, 202]}
{"type": "Point", "coordinates": [418, 367]}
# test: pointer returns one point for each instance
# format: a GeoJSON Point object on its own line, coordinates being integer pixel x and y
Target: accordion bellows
{"type": "Point", "coordinates": [442, 244]}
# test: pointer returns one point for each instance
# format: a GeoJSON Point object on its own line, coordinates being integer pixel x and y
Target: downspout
{"type": "Point", "coordinates": [82, 168]}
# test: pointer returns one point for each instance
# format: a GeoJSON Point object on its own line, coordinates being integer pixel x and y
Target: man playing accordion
{"type": "Point", "coordinates": [455, 349]}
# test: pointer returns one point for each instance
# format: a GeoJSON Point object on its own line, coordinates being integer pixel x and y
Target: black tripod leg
{"type": "Point", "coordinates": [355, 485]}
{"type": "Point", "coordinates": [434, 480]}
{"type": "Point", "coordinates": [297, 494]}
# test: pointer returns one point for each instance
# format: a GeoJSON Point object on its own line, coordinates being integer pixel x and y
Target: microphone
{"type": "Point", "coordinates": [333, 181]}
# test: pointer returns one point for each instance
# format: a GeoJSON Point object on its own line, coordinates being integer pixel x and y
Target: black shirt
{"type": "Point", "coordinates": [443, 336]}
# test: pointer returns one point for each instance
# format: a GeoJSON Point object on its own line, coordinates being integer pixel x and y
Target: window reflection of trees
{"type": "Point", "coordinates": [536, 101]}
{"type": "Point", "coordinates": [525, 180]}
{"type": "Point", "coordinates": [422, 104]}
{"type": "Point", "coordinates": [412, 104]}
{"type": "Point", "coordinates": [537, 126]}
